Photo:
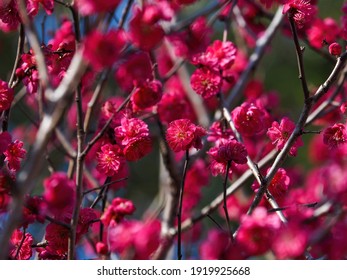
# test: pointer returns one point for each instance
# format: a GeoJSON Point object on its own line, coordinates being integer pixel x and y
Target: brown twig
{"type": "Point", "coordinates": [256, 56]}
{"type": "Point", "coordinates": [299, 57]}
{"type": "Point", "coordinates": [180, 205]}
{"type": "Point", "coordinates": [79, 176]}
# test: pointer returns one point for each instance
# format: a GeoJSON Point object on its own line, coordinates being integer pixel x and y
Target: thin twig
{"type": "Point", "coordinates": [256, 56]}
{"type": "Point", "coordinates": [225, 208]}
{"type": "Point", "coordinates": [20, 245]}
{"type": "Point", "coordinates": [79, 176]}
{"type": "Point", "coordinates": [125, 14]}
{"type": "Point", "coordinates": [180, 205]}
{"type": "Point", "coordinates": [299, 57]}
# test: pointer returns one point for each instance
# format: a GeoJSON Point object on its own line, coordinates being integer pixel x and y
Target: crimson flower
{"type": "Point", "coordinates": [335, 49]}
{"type": "Point", "coordinates": [14, 154]}
{"type": "Point", "coordinates": [57, 237]}
{"type": "Point", "coordinates": [58, 191]}
{"type": "Point", "coordinates": [24, 246]}
{"type": "Point", "coordinates": [33, 6]}
{"type": "Point", "coordinates": [133, 135]}
{"type": "Point", "coordinates": [278, 185]}
{"type": "Point", "coordinates": [33, 210]}
{"type": "Point", "coordinates": [144, 30]}
{"type": "Point", "coordinates": [89, 7]}
{"type": "Point", "coordinates": [206, 82]}
{"type": "Point", "coordinates": [9, 15]}
{"type": "Point", "coordinates": [85, 220]}
{"type": "Point", "coordinates": [226, 151]}
{"type": "Point", "coordinates": [257, 231]}
{"type": "Point", "coordinates": [323, 30]}
{"type": "Point", "coordinates": [134, 239]}
{"type": "Point", "coordinates": [147, 94]}
{"type": "Point", "coordinates": [218, 57]}
{"type": "Point", "coordinates": [291, 241]}
{"type": "Point", "coordinates": [249, 119]}
{"type": "Point", "coordinates": [137, 148]}
{"type": "Point", "coordinates": [175, 105]}
{"type": "Point", "coordinates": [182, 135]}
{"type": "Point", "coordinates": [280, 133]}
{"type": "Point", "coordinates": [335, 135]}
{"type": "Point", "coordinates": [6, 96]}
{"type": "Point", "coordinates": [130, 129]}
{"type": "Point", "coordinates": [109, 158]}
{"type": "Point", "coordinates": [101, 248]}
{"type": "Point", "coordinates": [137, 67]}
{"type": "Point", "coordinates": [117, 210]}
{"type": "Point", "coordinates": [102, 50]}
{"type": "Point", "coordinates": [302, 11]}
{"type": "Point", "coordinates": [214, 247]}
{"type": "Point", "coordinates": [219, 133]}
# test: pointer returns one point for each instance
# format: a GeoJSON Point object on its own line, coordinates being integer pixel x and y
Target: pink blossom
{"type": "Point", "coordinates": [33, 6]}
{"type": "Point", "coordinates": [196, 178]}
{"type": "Point", "coordinates": [216, 247]}
{"type": "Point", "coordinates": [86, 217]}
{"type": "Point", "coordinates": [249, 119]}
{"type": "Point", "coordinates": [226, 151]}
{"type": "Point", "coordinates": [206, 82]}
{"type": "Point", "coordinates": [102, 50]}
{"type": "Point", "coordinates": [237, 205]}
{"type": "Point", "coordinates": [34, 210]}
{"type": "Point", "coordinates": [101, 248]}
{"type": "Point", "coordinates": [145, 33]}
{"type": "Point", "coordinates": [131, 129]}
{"type": "Point", "coordinates": [14, 154]}
{"type": "Point", "coordinates": [192, 41]}
{"type": "Point", "coordinates": [335, 135]}
{"type": "Point", "coordinates": [335, 49]}
{"type": "Point", "coordinates": [219, 131]}
{"type": "Point", "coordinates": [232, 74]}
{"type": "Point", "coordinates": [9, 15]}
{"type": "Point", "coordinates": [182, 135]}
{"type": "Point", "coordinates": [58, 191]}
{"type": "Point", "coordinates": [6, 96]}
{"type": "Point", "coordinates": [147, 94]}
{"type": "Point", "coordinates": [90, 7]}
{"type": "Point", "coordinates": [278, 185]}
{"type": "Point", "coordinates": [57, 237]}
{"type": "Point", "coordinates": [280, 133]}
{"type": "Point", "coordinates": [137, 148]}
{"type": "Point", "coordinates": [224, 52]}
{"type": "Point", "coordinates": [109, 158]}
{"type": "Point", "coordinates": [136, 69]}
{"type": "Point", "coordinates": [257, 231]}
{"type": "Point", "coordinates": [302, 11]}
{"type": "Point", "coordinates": [31, 81]}
{"type": "Point", "coordinates": [323, 30]}
{"type": "Point", "coordinates": [134, 239]}
{"type": "Point", "coordinates": [111, 109]}
{"type": "Point", "coordinates": [64, 37]}
{"type": "Point", "coordinates": [290, 241]}
{"type": "Point", "coordinates": [116, 211]}
{"type": "Point", "coordinates": [174, 103]}
{"type": "Point", "coordinates": [24, 246]}
{"type": "Point", "coordinates": [133, 135]}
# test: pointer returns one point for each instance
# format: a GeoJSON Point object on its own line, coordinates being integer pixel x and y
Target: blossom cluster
{"type": "Point", "coordinates": [123, 126]}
